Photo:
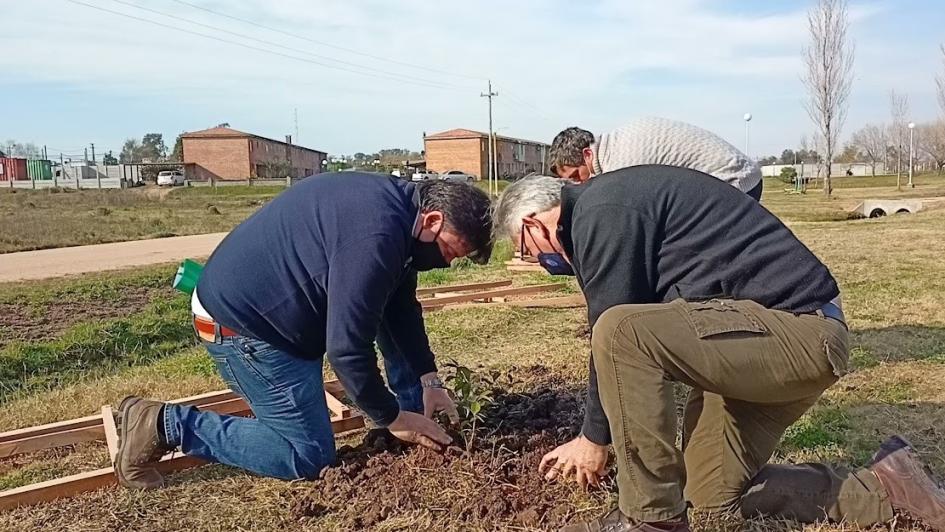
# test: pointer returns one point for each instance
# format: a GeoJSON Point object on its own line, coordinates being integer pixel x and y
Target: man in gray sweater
{"type": "Point", "coordinates": [578, 155]}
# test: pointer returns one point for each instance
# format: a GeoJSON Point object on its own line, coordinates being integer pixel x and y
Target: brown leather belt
{"type": "Point", "coordinates": [211, 331]}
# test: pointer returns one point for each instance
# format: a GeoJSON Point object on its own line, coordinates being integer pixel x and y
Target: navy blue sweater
{"type": "Point", "coordinates": [652, 234]}
{"type": "Point", "coordinates": [317, 270]}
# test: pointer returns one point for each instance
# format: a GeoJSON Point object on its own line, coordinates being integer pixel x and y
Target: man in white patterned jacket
{"type": "Point", "coordinates": [578, 155]}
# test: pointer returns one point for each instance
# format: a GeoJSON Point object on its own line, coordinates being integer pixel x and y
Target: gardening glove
{"type": "Point", "coordinates": [414, 428]}
{"type": "Point", "coordinates": [436, 400]}
{"type": "Point", "coordinates": [581, 458]}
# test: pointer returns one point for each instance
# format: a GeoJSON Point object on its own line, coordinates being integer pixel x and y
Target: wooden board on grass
{"type": "Point", "coordinates": [225, 402]}
{"type": "Point", "coordinates": [488, 294]}
{"type": "Point", "coordinates": [462, 287]}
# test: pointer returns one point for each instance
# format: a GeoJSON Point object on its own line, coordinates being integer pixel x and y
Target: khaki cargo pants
{"type": "Point", "coordinates": [753, 373]}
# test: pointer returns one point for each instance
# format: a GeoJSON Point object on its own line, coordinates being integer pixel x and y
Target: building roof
{"type": "Point", "coordinates": [227, 132]}
{"type": "Point", "coordinates": [461, 133]}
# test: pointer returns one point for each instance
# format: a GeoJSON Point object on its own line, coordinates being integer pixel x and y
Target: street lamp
{"type": "Point", "coordinates": [747, 118]}
{"type": "Point", "coordinates": [911, 152]}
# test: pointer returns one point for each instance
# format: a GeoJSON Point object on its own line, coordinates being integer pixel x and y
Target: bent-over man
{"type": "Point", "coordinates": [324, 269]}
{"type": "Point", "coordinates": [577, 155]}
{"type": "Point", "coordinates": [689, 280]}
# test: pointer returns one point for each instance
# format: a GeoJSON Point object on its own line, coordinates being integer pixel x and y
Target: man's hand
{"type": "Point", "coordinates": [436, 400]}
{"type": "Point", "coordinates": [580, 457]}
{"type": "Point", "coordinates": [414, 428]}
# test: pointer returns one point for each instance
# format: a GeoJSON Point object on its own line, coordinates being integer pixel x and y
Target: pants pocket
{"type": "Point", "coordinates": [838, 355]}
{"type": "Point", "coordinates": [717, 317]}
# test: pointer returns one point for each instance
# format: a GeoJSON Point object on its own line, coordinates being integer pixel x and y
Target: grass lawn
{"type": "Point", "coordinates": [47, 219]}
{"type": "Point", "coordinates": [127, 333]}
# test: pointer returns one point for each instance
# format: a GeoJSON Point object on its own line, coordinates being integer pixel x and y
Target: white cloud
{"type": "Point", "coordinates": [554, 63]}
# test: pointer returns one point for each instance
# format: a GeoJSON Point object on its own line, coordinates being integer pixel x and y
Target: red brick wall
{"type": "Point", "coordinates": [302, 162]}
{"type": "Point", "coordinates": [217, 158]}
{"type": "Point", "coordinates": [467, 155]}
{"type": "Point", "coordinates": [510, 164]}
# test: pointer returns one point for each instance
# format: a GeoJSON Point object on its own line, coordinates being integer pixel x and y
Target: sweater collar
{"type": "Point", "coordinates": [569, 197]}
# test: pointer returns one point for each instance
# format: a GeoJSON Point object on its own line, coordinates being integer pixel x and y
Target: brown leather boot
{"type": "Point", "coordinates": [909, 482]}
{"type": "Point", "coordinates": [139, 445]}
{"type": "Point", "coordinates": [616, 521]}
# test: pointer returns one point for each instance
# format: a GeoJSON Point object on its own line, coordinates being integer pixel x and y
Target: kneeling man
{"type": "Point", "coordinates": [689, 280]}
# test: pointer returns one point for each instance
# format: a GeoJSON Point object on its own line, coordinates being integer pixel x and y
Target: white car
{"type": "Point", "coordinates": [170, 178]}
{"type": "Point", "coordinates": [424, 176]}
{"type": "Point", "coordinates": [456, 175]}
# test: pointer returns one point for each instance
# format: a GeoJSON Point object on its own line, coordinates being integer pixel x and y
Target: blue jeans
{"type": "Point", "coordinates": [290, 436]}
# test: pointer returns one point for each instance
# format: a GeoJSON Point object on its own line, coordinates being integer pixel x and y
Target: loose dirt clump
{"type": "Point", "coordinates": [489, 483]}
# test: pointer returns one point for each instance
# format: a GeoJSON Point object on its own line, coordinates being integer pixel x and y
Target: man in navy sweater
{"type": "Point", "coordinates": [324, 269]}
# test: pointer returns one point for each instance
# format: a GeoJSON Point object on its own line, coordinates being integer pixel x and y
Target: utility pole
{"type": "Point", "coordinates": [93, 154]}
{"type": "Point", "coordinates": [296, 116]}
{"type": "Point", "coordinates": [492, 175]}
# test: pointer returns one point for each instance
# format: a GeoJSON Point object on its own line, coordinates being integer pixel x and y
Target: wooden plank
{"type": "Point", "coordinates": [111, 432]}
{"type": "Point", "coordinates": [56, 439]}
{"type": "Point", "coordinates": [49, 428]}
{"type": "Point", "coordinates": [91, 428]}
{"type": "Point", "coordinates": [462, 287]}
{"type": "Point", "coordinates": [96, 419]}
{"type": "Point", "coordinates": [334, 388]}
{"type": "Point", "coordinates": [205, 398]}
{"type": "Point", "coordinates": [571, 301]}
{"type": "Point", "coordinates": [337, 408]}
{"type": "Point", "coordinates": [463, 298]}
{"type": "Point", "coordinates": [72, 485]}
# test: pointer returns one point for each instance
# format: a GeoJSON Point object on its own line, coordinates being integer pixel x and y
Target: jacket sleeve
{"type": "Point", "coordinates": [403, 319]}
{"type": "Point", "coordinates": [361, 276]}
{"type": "Point", "coordinates": [615, 254]}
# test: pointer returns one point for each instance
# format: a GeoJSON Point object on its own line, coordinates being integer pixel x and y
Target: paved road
{"type": "Point", "coordinates": [48, 263]}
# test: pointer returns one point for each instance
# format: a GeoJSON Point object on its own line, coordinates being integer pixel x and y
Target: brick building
{"type": "Point", "coordinates": [468, 151]}
{"type": "Point", "coordinates": [222, 153]}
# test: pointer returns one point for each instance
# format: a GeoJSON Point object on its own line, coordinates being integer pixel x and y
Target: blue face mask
{"type": "Point", "coordinates": [553, 263]}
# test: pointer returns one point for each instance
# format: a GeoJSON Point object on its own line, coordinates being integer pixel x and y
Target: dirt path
{"type": "Point", "coordinates": [46, 263]}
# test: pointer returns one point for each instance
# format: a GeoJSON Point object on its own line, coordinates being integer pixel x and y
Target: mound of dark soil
{"type": "Point", "coordinates": [489, 483]}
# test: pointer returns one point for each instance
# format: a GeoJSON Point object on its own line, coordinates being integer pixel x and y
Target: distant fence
{"type": "Point", "coordinates": [279, 182]}
{"type": "Point", "coordinates": [816, 170]}
{"type": "Point", "coordinates": [39, 184]}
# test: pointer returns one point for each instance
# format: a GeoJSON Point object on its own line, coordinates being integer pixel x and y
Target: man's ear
{"type": "Point", "coordinates": [432, 221]}
{"type": "Point", "coordinates": [588, 155]}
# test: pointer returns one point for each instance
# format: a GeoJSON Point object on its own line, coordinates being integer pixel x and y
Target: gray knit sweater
{"type": "Point", "coordinates": [667, 142]}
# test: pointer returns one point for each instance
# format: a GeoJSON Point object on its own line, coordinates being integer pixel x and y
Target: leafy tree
{"type": "Point", "coordinates": [788, 174]}
{"type": "Point", "coordinates": [771, 159]}
{"type": "Point", "coordinates": [27, 150]}
{"type": "Point", "coordinates": [178, 153]}
{"type": "Point", "coordinates": [131, 151]}
{"type": "Point", "coordinates": [787, 157]}
{"type": "Point", "coordinates": [109, 160]}
{"type": "Point", "coordinates": [153, 147]}
{"type": "Point", "coordinates": [850, 154]}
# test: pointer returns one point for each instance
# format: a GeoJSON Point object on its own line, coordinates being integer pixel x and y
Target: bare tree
{"type": "Point", "coordinates": [871, 141]}
{"type": "Point", "coordinates": [829, 76]}
{"type": "Point", "coordinates": [931, 141]}
{"type": "Point", "coordinates": [898, 110]}
{"type": "Point", "coordinates": [940, 81]}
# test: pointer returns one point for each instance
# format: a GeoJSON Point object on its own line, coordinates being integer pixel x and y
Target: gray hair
{"type": "Point", "coordinates": [532, 195]}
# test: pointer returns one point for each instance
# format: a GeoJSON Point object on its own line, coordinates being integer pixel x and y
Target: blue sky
{"type": "Point", "coordinates": [74, 75]}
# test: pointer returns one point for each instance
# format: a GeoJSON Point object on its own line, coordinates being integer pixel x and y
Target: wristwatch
{"type": "Point", "coordinates": [435, 382]}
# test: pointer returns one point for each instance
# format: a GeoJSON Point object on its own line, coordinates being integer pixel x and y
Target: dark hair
{"type": "Point", "coordinates": [466, 210]}
{"type": "Point", "coordinates": [568, 147]}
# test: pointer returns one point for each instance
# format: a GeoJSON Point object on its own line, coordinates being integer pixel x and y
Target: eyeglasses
{"type": "Point", "coordinates": [523, 252]}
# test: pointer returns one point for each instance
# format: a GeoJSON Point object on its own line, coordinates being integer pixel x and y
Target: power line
{"type": "Point", "coordinates": [329, 45]}
{"type": "Point", "coordinates": [256, 48]}
{"type": "Point", "coordinates": [278, 45]}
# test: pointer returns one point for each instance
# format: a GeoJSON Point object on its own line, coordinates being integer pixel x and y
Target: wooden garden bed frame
{"type": "Point", "coordinates": [101, 427]}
